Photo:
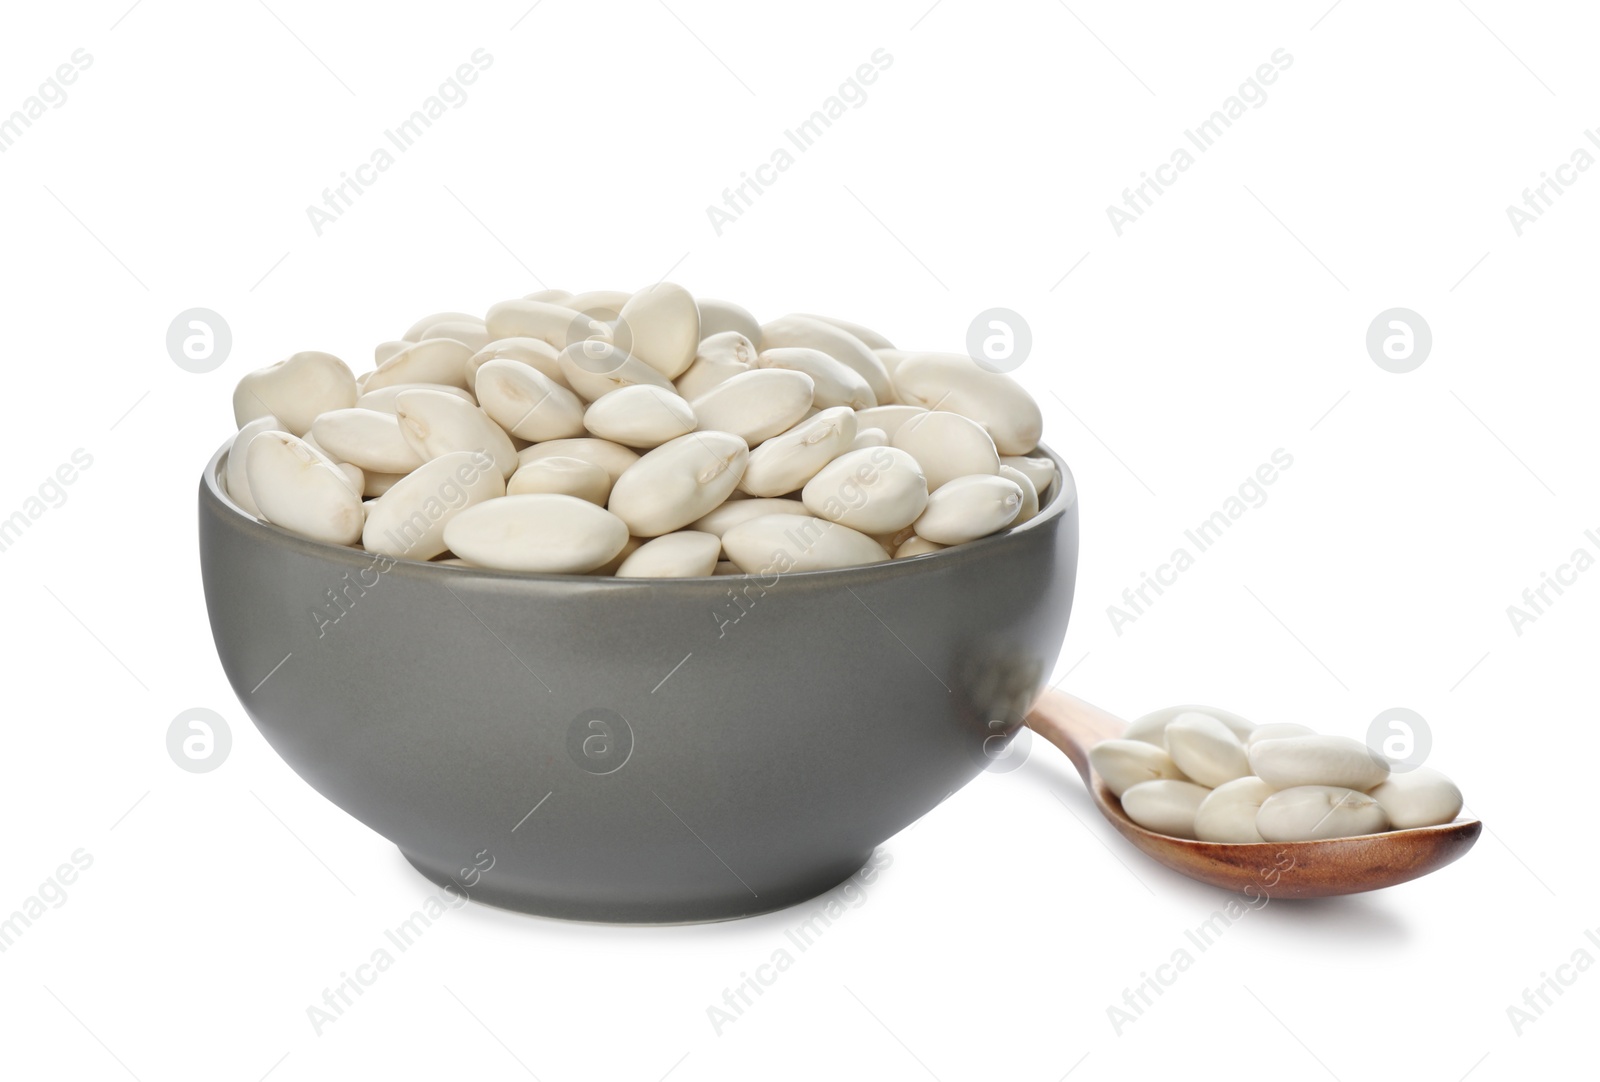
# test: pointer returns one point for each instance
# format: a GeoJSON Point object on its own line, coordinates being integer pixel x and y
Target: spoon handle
{"type": "Point", "coordinates": [1074, 726]}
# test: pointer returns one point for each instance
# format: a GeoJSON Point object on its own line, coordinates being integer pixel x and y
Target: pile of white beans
{"type": "Point", "coordinates": [1199, 772]}
{"type": "Point", "coordinates": [647, 435]}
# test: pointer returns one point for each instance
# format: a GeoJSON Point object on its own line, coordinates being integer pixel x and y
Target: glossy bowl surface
{"type": "Point", "coordinates": [633, 750]}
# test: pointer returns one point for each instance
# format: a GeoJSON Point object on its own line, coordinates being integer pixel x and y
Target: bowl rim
{"type": "Point", "coordinates": [214, 492]}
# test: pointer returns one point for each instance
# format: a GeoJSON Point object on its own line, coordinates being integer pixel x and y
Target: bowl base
{"type": "Point", "coordinates": [644, 911]}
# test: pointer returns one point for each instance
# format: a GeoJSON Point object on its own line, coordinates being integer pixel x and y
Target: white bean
{"type": "Point", "coordinates": [367, 438]}
{"type": "Point", "coordinates": [1229, 813]}
{"type": "Point", "coordinates": [294, 391]}
{"type": "Point", "coordinates": [529, 351]}
{"type": "Point", "coordinates": [1206, 750]}
{"type": "Point", "coordinates": [594, 368]}
{"type": "Point", "coordinates": [526, 403]}
{"type": "Point", "coordinates": [756, 405]}
{"type": "Point", "coordinates": [1152, 727]}
{"type": "Point", "coordinates": [435, 424]}
{"type": "Point", "coordinates": [891, 542]}
{"type": "Point", "coordinates": [779, 544]}
{"type": "Point", "coordinates": [564, 477]}
{"type": "Point", "coordinates": [717, 317]}
{"type": "Point", "coordinates": [235, 479]}
{"type": "Point", "coordinates": [1030, 496]}
{"type": "Point", "coordinates": [869, 338]}
{"type": "Point", "coordinates": [800, 418]}
{"type": "Point", "coordinates": [409, 519]}
{"type": "Point", "coordinates": [468, 332]}
{"type": "Point", "coordinates": [836, 384]}
{"type": "Point", "coordinates": [311, 441]}
{"type": "Point", "coordinates": [679, 555]}
{"type": "Point", "coordinates": [1122, 764]}
{"type": "Point", "coordinates": [602, 304]}
{"type": "Point", "coordinates": [678, 482]}
{"type": "Point", "coordinates": [539, 533]}
{"type": "Point", "coordinates": [640, 416]}
{"type": "Point", "coordinates": [891, 358]}
{"type": "Point", "coordinates": [869, 437]}
{"type": "Point", "coordinates": [948, 446]}
{"type": "Point", "coordinates": [841, 345]}
{"type": "Point", "coordinates": [718, 359]}
{"type": "Point", "coordinates": [733, 512]}
{"type": "Point", "coordinates": [1166, 805]}
{"type": "Point", "coordinates": [787, 461]}
{"type": "Point", "coordinates": [1420, 797]}
{"type": "Point", "coordinates": [957, 383]}
{"type": "Point", "coordinates": [382, 399]}
{"type": "Point", "coordinates": [1040, 470]}
{"type": "Point", "coordinates": [1317, 760]}
{"type": "Point", "coordinates": [418, 329]}
{"type": "Point", "coordinates": [611, 457]}
{"type": "Point", "coordinates": [376, 484]}
{"type": "Point", "coordinates": [1273, 730]}
{"type": "Point", "coordinates": [354, 476]}
{"type": "Point", "coordinates": [888, 418]}
{"type": "Point", "coordinates": [968, 508]}
{"type": "Point", "coordinates": [302, 491]}
{"type": "Point", "coordinates": [432, 360]}
{"type": "Point", "coordinates": [877, 490]}
{"type": "Point", "coordinates": [660, 325]}
{"type": "Point", "coordinates": [917, 546]}
{"type": "Point", "coordinates": [554, 324]}
{"type": "Point", "coordinates": [1316, 812]}
{"type": "Point", "coordinates": [613, 565]}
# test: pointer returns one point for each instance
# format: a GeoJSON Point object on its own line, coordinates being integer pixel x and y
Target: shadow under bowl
{"type": "Point", "coordinates": [636, 750]}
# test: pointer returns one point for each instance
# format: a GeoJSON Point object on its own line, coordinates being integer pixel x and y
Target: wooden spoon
{"type": "Point", "coordinates": [1275, 869]}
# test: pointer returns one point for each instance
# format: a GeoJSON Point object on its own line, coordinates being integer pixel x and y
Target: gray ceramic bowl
{"type": "Point", "coordinates": [631, 750]}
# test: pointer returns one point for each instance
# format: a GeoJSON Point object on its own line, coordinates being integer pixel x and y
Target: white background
{"type": "Point", "coordinates": [1227, 322]}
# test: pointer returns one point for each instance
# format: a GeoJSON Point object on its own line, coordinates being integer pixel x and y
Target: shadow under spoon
{"type": "Point", "coordinates": [1315, 869]}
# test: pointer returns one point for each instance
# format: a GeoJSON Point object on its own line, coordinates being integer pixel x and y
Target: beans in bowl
{"type": "Point", "coordinates": [647, 435]}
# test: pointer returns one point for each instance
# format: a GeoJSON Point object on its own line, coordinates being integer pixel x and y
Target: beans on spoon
{"type": "Point", "coordinates": [1300, 869]}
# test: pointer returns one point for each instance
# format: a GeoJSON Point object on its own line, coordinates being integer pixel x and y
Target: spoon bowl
{"type": "Point", "coordinates": [1315, 869]}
